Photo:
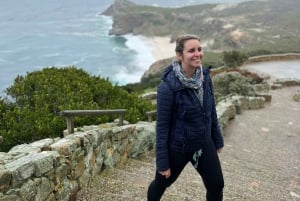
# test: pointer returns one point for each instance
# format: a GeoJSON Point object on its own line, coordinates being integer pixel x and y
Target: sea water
{"type": "Point", "coordinates": [36, 34]}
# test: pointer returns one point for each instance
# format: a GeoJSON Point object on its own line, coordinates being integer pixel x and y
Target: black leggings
{"type": "Point", "coordinates": [208, 167]}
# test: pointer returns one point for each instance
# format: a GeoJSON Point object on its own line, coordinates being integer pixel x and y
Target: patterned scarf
{"type": "Point", "coordinates": [195, 82]}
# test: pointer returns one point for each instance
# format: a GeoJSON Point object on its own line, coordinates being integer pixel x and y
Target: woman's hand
{"type": "Point", "coordinates": [219, 150]}
{"type": "Point", "coordinates": [166, 173]}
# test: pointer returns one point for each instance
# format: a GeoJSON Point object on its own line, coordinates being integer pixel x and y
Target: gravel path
{"type": "Point", "coordinates": [260, 160]}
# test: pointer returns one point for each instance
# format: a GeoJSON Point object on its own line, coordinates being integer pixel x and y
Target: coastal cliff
{"type": "Point", "coordinates": [266, 27]}
{"type": "Point", "coordinates": [252, 24]}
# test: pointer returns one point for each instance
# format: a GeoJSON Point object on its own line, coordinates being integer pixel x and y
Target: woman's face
{"type": "Point", "coordinates": [191, 55]}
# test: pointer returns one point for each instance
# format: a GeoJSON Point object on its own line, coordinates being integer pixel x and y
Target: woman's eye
{"type": "Point", "coordinates": [193, 50]}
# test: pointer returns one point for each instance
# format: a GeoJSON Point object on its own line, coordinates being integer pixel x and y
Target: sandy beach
{"type": "Point", "coordinates": [162, 48]}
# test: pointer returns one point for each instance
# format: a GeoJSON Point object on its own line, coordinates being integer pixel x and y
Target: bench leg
{"type": "Point", "coordinates": [121, 119]}
{"type": "Point", "coordinates": [149, 118]}
{"type": "Point", "coordinates": [70, 125]}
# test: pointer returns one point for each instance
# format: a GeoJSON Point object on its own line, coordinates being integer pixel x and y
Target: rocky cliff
{"type": "Point", "coordinates": [253, 24]}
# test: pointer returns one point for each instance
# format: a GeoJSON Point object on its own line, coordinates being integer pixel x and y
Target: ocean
{"type": "Point", "coordinates": [36, 34]}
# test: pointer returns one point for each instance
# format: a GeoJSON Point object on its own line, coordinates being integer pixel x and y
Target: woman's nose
{"type": "Point", "coordinates": [198, 53]}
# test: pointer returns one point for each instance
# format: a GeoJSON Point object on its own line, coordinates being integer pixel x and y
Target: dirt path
{"type": "Point", "coordinates": [276, 69]}
{"type": "Point", "coordinates": [261, 161]}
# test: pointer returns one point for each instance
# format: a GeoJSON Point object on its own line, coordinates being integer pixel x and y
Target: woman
{"type": "Point", "coordinates": [187, 128]}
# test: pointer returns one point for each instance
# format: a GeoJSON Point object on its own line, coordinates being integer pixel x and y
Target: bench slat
{"type": "Point", "coordinates": [69, 114]}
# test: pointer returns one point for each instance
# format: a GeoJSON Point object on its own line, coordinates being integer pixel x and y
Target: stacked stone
{"type": "Point", "coordinates": [229, 107]}
{"type": "Point", "coordinates": [56, 169]}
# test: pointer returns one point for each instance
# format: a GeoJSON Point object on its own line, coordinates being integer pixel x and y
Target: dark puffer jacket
{"type": "Point", "coordinates": [183, 124]}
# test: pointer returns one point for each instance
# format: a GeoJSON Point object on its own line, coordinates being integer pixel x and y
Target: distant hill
{"type": "Point", "coordinates": [269, 25]}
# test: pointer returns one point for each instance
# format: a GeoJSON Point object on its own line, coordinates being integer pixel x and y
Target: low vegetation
{"type": "Point", "coordinates": [30, 110]}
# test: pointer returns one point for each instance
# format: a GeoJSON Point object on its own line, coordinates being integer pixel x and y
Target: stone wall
{"type": "Point", "coordinates": [273, 57]}
{"type": "Point", "coordinates": [56, 169]}
{"type": "Point", "coordinates": [228, 108]}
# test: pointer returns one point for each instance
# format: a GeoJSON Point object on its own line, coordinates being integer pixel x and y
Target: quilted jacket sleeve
{"type": "Point", "coordinates": [215, 130]}
{"type": "Point", "coordinates": [163, 125]}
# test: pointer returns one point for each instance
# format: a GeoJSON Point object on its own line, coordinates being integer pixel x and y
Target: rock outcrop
{"type": "Point", "coordinates": [220, 26]}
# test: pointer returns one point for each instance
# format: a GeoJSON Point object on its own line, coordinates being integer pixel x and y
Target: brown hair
{"type": "Point", "coordinates": [180, 40]}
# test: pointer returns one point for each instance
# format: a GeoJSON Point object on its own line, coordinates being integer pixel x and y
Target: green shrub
{"type": "Point", "coordinates": [38, 97]}
{"type": "Point", "coordinates": [234, 59]}
{"type": "Point", "coordinates": [231, 83]}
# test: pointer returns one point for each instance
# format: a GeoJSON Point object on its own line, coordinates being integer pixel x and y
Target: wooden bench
{"type": "Point", "coordinates": [69, 114]}
{"type": "Point", "coordinates": [150, 115]}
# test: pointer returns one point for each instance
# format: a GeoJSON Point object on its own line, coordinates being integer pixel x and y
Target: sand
{"type": "Point", "coordinates": [162, 48]}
